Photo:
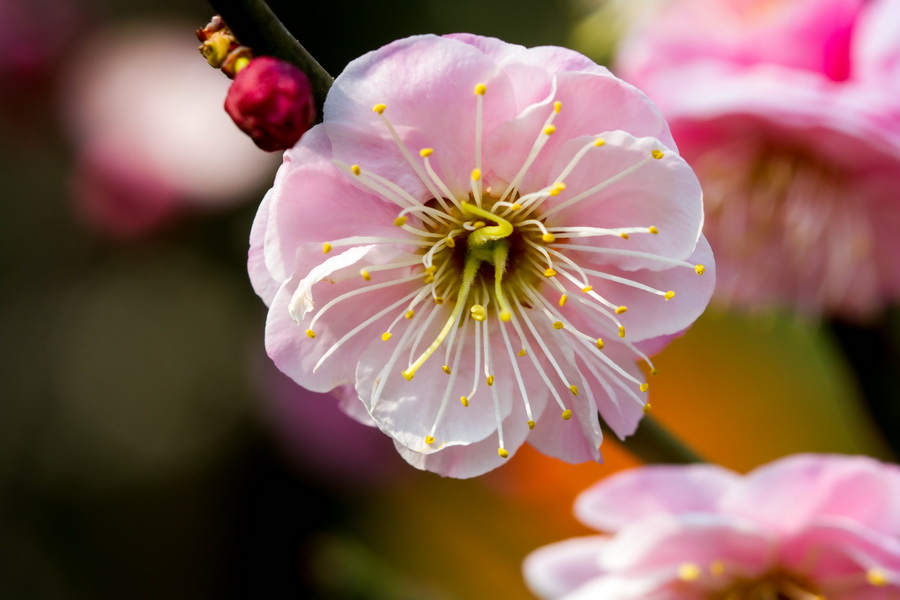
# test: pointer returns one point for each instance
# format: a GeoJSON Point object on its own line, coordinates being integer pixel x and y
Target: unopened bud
{"type": "Point", "coordinates": [215, 48]}
{"type": "Point", "coordinates": [272, 102]}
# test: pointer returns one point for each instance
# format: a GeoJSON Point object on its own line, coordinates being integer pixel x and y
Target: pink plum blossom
{"type": "Point", "coordinates": [790, 113]}
{"type": "Point", "coordinates": [476, 246]}
{"type": "Point", "coordinates": [806, 527]}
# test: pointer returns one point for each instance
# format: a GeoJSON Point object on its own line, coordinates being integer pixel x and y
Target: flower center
{"type": "Point", "coordinates": [776, 586]}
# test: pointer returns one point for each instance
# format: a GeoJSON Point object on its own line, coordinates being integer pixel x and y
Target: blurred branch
{"type": "Point", "coordinates": [654, 444]}
{"type": "Point", "coordinates": [255, 25]}
{"type": "Point", "coordinates": [873, 354]}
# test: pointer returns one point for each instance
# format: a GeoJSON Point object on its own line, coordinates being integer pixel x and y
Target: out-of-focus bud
{"type": "Point", "coordinates": [272, 102]}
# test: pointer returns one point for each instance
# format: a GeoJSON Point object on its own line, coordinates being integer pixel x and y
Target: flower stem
{"type": "Point", "coordinates": [654, 444]}
{"type": "Point", "coordinates": [256, 26]}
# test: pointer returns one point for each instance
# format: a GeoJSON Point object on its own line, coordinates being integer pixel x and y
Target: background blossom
{"type": "Point", "coordinates": [802, 527]}
{"type": "Point", "coordinates": [788, 112]}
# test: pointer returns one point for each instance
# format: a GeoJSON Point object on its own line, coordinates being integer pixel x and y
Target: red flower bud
{"type": "Point", "coordinates": [272, 102]}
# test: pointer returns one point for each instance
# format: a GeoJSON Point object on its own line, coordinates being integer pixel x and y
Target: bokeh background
{"type": "Point", "coordinates": [147, 447]}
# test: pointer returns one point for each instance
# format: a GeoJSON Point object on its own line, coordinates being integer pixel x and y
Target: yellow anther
{"type": "Point", "coordinates": [476, 174]}
{"type": "Point", "coordinates": [386, 336]}
{"type": "Point", "coordinates": [599, 344]}
{"type": "Point", "coordinates": [716, 567]}
{"type": "Point", "coordinates": [877, 577]}
{"type": "Point", "coordinates": [429, 278]}
{"type": "Point", "coordinates": [567, 414]}
{"type": "Point", "coordinates": [550, 272]}
{"type": "Point", "coordinates": [451, 243]}
{"type": "Point", "coordinates": [326, 248]}
{"type": "Point", "coordinates": [557, 106]}
{"type": "Point", "coordinates": [505, 316]}
{"type": "Point", "coordinates": [480, 89]}
{"type": "Point", "coordinates": [563, 299]}
{"type": "Point", "coordinates": [431, 269]}
{"type": "Point", "coordinates": [438, 300]}
{"type": "Point", "coordinates": [408, 374]}
{"type": "Point", "coordinates": [558, 187]}
{"type": "Point", "coordinates": [489, 380]}
{"type": "Point", "coordinates": [365, 274]}
{"type": "Point", "coordinates": [587, 288]}
{"type": "Point", "coordinates": [531, 424]}
{"type": "Point", "coordinates": [516, 206]}
{"type": "Point", "coordinates": [478, 312]}
{"type": "Point", "coordinates": [446, 369]}
{"type": "Point", "coordinates": [669, 295]}
{"type": "Point", "coordinates": [646, 409]}
{"type": "Point", "coordinates": [644, 387]}
{"type": "Point", "coordinates": [623, 235]}
{"type": "Point", "coordinates": [657, 154]}
{"type": "Point", "coordinates": [310, 333]}
{"type": "Point", "coordinates": [700, 269]}
{"type": "Point", "coordinates": [599, 142]}
{"type": "Point", "coordinates": [549, 238]}
{"type": "Point", "coordinates": [410, 314]}
{"type": "Point", "coordinates": [621, 309]}
{"type": "Point", "coordinates": [653, 229]}
{"type": "Point", "coordinates": [400, 221]}
{"type": "Point", "coordinates": [356, 169]}
{"type": "Point", "coordinates": [502, 452]}
{"type": "Point", "coordinates": [688, 572]}
{"type": "Point", "coordinates": [426, 152]}
{"type": "Point", "coordinates": [429, 439]}
{"type": "Point", "coordinates": [523, 352]}
{"type": "Point", "coordinates": [574, 389]}
{"type": "Point", "coordinates": [558, 325]}
{"type": "Point", "coordinates": [549, 129]}
{"type": "Point", "coordinates": [464, 401]}
{"type": "Point", "coordinates": [621, 331]}
{"type": "Point", "coordinates": [379, 108]}
{"type": "Point", "coordinates": [478, 224]}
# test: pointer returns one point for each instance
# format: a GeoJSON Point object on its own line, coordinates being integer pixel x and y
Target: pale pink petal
{"type": "Point", "coordinates": [291, 348]}
{"type": "Point", "coordinates": [664, 542]}
{"type": "Point", "coordinates": [261, 278]}
{"type": "Point", "coordinates": [789, 494]}
{"type": "Point", "coordinates": [473, 459]}
{"type": "Point", "coordinates": [626, 497]}
{"type": "Point", "coordinates": [876, 44]}
{"type": "Point", "coordinates": [350, 404]}
{"type": "Point", "coordinates": [557, 569]}
{"type": "Point", "coordinates": [646, 586]}
{"type": "Point", "coordinates": [495, 48]}
{"type": "Point", "coordinates": [410, 77]}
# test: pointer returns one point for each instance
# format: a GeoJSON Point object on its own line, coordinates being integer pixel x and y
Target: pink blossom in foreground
{"type": "Point", "coordinates": [806, 527]}
{"type": "Point", "coordinates": [473, 246]}
{"type": "Point", "coordinates": [272, 102]}
{"type": "Point", "coordinates": [790, 113]}
{"type": "Point", "coordinates": [143, 110]}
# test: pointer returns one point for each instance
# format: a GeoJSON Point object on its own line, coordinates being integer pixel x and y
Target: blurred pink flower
{"type": "Point", "coordinates": [789, 112]}
{"type": "Point", "coordinates": [145, 112]}
{"type": "Point", "coordinates": [272, 102]}
{"type": "Point", "coordinates": [804, 527]}
{"type": "Point", "coordinates": [464, 253]}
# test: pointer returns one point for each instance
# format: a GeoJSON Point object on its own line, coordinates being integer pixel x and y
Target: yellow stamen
{"type": "Point", "coordinates": [439, 300]}
{"type": "Point", "coordinates": [563, 299]}
{"type": "Point", "coordinates": [356, 169]}
{"type": "Point", "coordinates": [386, 336]}
{"type": "Point", "coordinates": [557, 106]}
{"type": "Point", "coordinates": [429, 439]}
{"type": "Point", "coordinates": [480, 89]}
{"type": "Point", "coordinates": [688, 572]}
{"type": "Point", "coordinates": [502, 452]}
{"type": "Point", "coordinates": [599, 142]}
{"type": "Point", "coordinates": [364, 273]}
{"type": "Point", "coordinates": [587, 288]}
{"type": "Point", "coordinates": [621, 309]}
{"type": "Point", "coordinates": [531, 424]}
{"type": "Point", "coordinates": [669, 295]}
{"type": "Point", "coordinates": [310, 333]}
{"type": "Point", "coordinates": [464, 401]}
{"type": "Point", "coordinates": [621, 331]}
{"type": "Point", "coordinates": [558, 325]}
{"type": "Point", "coordinates": [645, 387]}
{"type": "Point", "coordinates": [326, 248]}
{"type": "Point", "coordinates": [548, 238]}
{"type": "Point", "coordinates": [426, 152]}
{"type": "Point", "coordinates": [657, 154]}
{"type": "Point", "coordinates": [623, 235]}
{"type": "Point", "coordinates": [646, 410]}
{"type": "Point", "coordinates": [446, 369]}
{"type": "Point", "coordinates": [558, 187]}
{"type": "Point", "coordinates": [379, 108]}
{"type": "Point", "coordinates": [700, 269]}
{"type": "Point", "coordinates": [410, 314]}
{"type": "Point", "coordinates": [489, 380]}
{"type": "Point", "coordinates": [523, 352]}
{"type": "Point", "coordinates": [550, 273]}
{"type": "Point", "coordinates": [567, 414]}
{"type": "Point", "coordinates": [549, 129]}
{"type": "Point", "coordinates": [574, 389]}
{"type": "Point", "coordinates": [599, 344]}
{"type": "Point", "coordinates": [476, 174]}
{"type": "Point", "coordinates": [654, 230]}
{"type": "Point", "coordinates": [877, 577]}
{"type": "Point", "coordinates": [400, 221]}
{"type": "Point", "coordinates": [478, 312]}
